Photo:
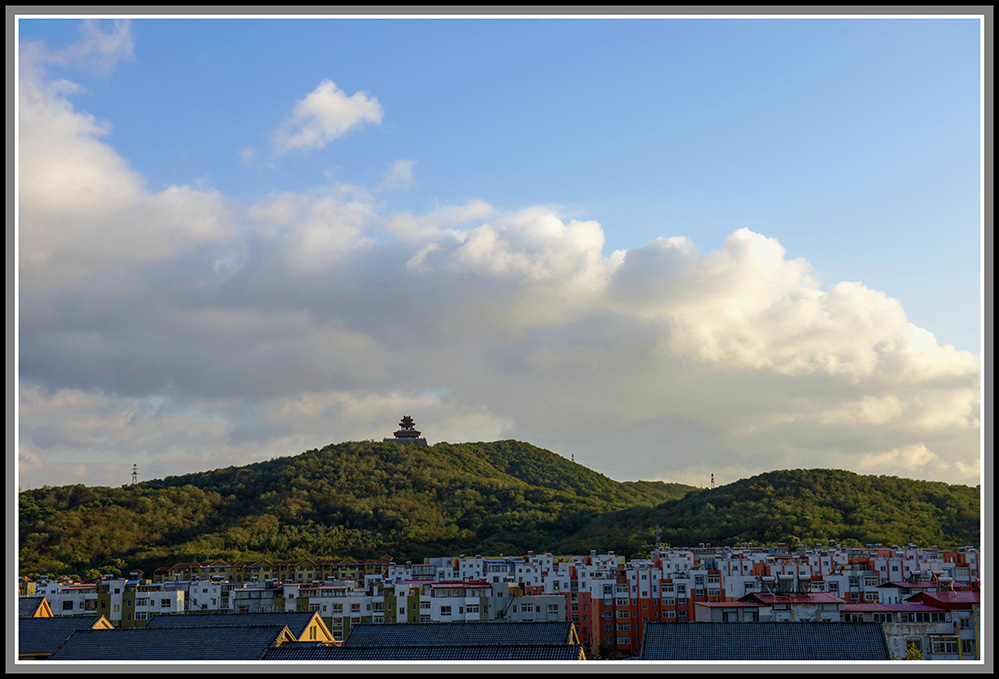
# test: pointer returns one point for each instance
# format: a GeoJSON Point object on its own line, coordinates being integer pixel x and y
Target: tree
{"type": "Point", "coordinates": [912, 652]}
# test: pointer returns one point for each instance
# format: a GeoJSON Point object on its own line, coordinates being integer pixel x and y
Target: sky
{"type": "Point", "coordinates": [663, 247]}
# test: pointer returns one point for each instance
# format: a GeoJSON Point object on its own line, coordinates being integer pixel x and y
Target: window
{"type": "Point", "coordinates": [967, 647]}
{"type": "Point", "coordinates": [164, 603]}
{"type": "Point", "coordinates": [623, 614]}
{"type": "Point", "coordinates": [624, 641]}
{"type": "Point", "coordinates": [445, 610]}
{"type": "Point", "coordinates": [669, 602]}
{"type": "Point", "coordinates": [622, 601]}
{"type": "Point", "coordinates": [945, 647]}
{"type": "Point", "coordinates": [623, 627]}
{"type": "Point", "coordinates": [141, 615]}
{"type": "Point", "coordinates": [67, 605]}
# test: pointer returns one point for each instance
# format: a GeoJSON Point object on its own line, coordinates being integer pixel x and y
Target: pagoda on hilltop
{"type": "Point", "coordinates": [407, 433]}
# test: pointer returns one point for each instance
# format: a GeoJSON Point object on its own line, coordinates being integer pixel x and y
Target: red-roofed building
{"type": "Point", "coordinates": [964, 609]}
{"type": "Point", "coordinates": [799, 607]}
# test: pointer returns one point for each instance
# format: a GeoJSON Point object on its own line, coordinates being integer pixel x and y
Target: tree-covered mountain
{"type": "Point", "coordinates": [804, 506]}
{"type": "Point", "coordinates": [366, 499]}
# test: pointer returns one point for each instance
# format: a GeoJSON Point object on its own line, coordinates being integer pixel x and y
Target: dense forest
{"type": "Point", "coordinates": [362, 499]}
{"type": "Point", "coordinates": [366, 499]}
{"type": "Point", "coordinates": [806, 507]}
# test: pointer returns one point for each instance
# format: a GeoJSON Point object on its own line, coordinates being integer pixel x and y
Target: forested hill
{"type": "Point", "coordinates": [366, 499]}
{"type": "Point", "coordinates": [806, 506]}
{"type": "Point", "coordinates": [363, 499]}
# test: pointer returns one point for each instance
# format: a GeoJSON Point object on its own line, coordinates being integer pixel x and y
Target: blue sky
{"type": "Point", "coordinates": [847, 149]}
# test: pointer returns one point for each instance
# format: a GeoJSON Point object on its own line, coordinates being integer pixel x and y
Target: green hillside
{"type": "Point", "coordinates": [362, 498]}
{"type": "Point", "coordinates": [806, 506]}
{"type": "Point", "coordinates": [366, 499]}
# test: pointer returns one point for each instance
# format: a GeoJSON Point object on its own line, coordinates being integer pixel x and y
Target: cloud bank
{"type": "Point", "coordinates": [182, 330]}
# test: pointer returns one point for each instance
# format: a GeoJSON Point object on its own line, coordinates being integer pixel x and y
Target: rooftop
{"type": "Point", "coordinates": [764, 641]}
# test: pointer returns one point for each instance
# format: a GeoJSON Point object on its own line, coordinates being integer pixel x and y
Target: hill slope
{"type": "Point", "coordinates": [364, 499]}
{"type": "Point", "coordinates": [804, 505]}
{"type": "Point", "coordinates": [367, 499]}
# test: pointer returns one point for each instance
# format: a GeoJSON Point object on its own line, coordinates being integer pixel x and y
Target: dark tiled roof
{"type": "Point", "coordinates": [27, 606]}
{"type": "Point", "coordinates": [460, 634]}
{"type": "Point", "coordinates": [43, 635]}
{"type": "Point", "coordinates": [490, 652]}
{"type": "Point", "coordinates": [142, 643]}
{"type": "Point", "coordinates": [296, 621]}
{"type": "Point", "coordinates": [764, 641]}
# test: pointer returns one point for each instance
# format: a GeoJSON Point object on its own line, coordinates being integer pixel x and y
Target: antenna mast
{"type": "Point", "coordinates": [135, 474]}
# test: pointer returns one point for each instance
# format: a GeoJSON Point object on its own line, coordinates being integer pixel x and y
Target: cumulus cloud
{"type": "Point", "coordinates": [747, 306]}
{"type": "Point", "coordinates": [325, 114]}
{"type": "Point", "coordinates": [81, 207]}
{"type": "Point", "coordinates": [441, 222]}
{"type": "Point", "coordinates": [193, 332]}
{"type": "Point", "coordinates": [314, 229]}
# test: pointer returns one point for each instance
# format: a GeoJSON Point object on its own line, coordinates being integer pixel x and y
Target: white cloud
{"type": "Point", "coordinates": [98, 49]}
{"type": "Point", "coordinates": [316, 229]}
{"type": "Point", "coordinates": [325, 114]}
{"type": "Point", "coordinates": [439, 223]}
{"type": "Point", "coordinates": [82, 208]}
{"type": "Point", "coordinates": [747, 306]}
{"type": "Point", "coordinates": [399, 175]}
{"type": "Point", "coordinates": [905, 460]}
